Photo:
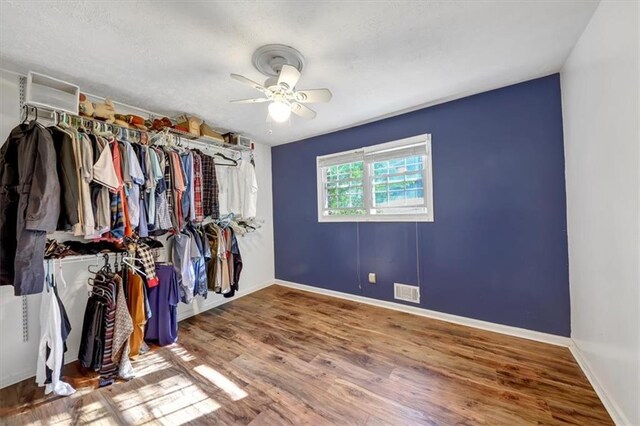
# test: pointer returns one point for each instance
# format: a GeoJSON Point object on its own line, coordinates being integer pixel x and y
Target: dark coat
{"type": "Point", "coordinates": [68, 175]}
{"type": "Point", "coordinates": [29, 206]}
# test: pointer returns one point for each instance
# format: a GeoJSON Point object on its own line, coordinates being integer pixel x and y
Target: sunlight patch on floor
{"type": "Point", "coordinates": [230, 388]}
{"type": "Point", "coordinates": [183, 353]}
{"type": "Point", "coordinates": [149, 363]}
{"type": "Point", "coordinates": [174, 400]}
{"type": "Point", "coordinates": [94, 412]}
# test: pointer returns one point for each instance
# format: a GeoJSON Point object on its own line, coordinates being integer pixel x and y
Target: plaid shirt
{"type": "Point", "coordinates": [210, 204]}
{"type": "Point", "coordinates": [143, 252]}
{"type": "Point", "coordinates": [197, 187]}
{"type": "Point", "coordinates": [169, 192]}
{"type": "Point", "coordinates": [117, 219]}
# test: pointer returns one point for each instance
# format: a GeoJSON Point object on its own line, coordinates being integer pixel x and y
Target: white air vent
{"type": "Point", "coordinates": [409, 293]}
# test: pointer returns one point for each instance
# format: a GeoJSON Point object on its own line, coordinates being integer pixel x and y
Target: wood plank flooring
{"type": "Point", "coordinates": [283, 356]}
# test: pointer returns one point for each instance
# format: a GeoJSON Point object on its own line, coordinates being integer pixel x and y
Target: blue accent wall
{"type": "Point", "coordinates": [497, 250]}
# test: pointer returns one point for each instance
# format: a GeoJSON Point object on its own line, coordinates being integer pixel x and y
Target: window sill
{"type": "Point", "coordinates": [330, 219]}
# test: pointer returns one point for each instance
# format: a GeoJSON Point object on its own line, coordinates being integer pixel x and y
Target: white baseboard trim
{"type": "Point", "coordinates": [617, 415]}
{"type": "Point", "coordinates": [469, 322]}
{"type": "Point", "coordinates": [25, 374]}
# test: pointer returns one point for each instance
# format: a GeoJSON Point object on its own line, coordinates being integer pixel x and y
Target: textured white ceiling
{"type": "Point", "coordinates": [378, 58]}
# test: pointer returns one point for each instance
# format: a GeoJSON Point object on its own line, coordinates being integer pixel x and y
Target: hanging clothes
{"type": "Point", "coordinates": [156, 175]}
{"type": "Point", "coordinates": [86, 176]}
{"type": "Point", "coordinates": [248, 185]}
{"type": "Point", "coordinates": [179, 187]}
{"type": "Point", "coordinates": [136, 305]}
{"type": "Point", "coordinates": [137, 179]}
{"type": "Point", "coordinates": [143, 230]}
{"type": "Point", "coordinates": [123, 328]}
{"type": "Point", "coordinates": [197, 187]}
{"type": "Point", "coordinates": [200, 255]}
{"type": "Point", "coordinates": [162, 328]}
{"type": "Point", "coordinates": [67, 166]}
{"type": "Point", "coordinates": [143, 252]}
{"type": "Point", "coordinates": [55, 328]}
{"type": "Point", "coordinates": [210, 190]}
{"type": "Point", "coordinates": [188, 202]}
{"type": "Point", "coordinates": [224, 188]}
{"type": "Point", "coordinates": [119, 193]}
{"type": "Point", "coordinates": [108, 369]}
{"type": "Point", "coordinates": [30, 195]}
{"type": "Point", "coordinates": [106, 210]}
{"type": "Point", "coordinates": [237, 265]}
{"type": "Point", "coordinates": [181, 258]}
{"type": "Point", "coordinates": [107, 188]}
{"type": "Point", "coordinates": [220, 269]}
{"type": "Point", "coordinates": [96, 343]}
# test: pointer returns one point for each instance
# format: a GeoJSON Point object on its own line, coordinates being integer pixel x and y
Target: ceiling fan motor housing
{"type": "Point", "coordinates": [270, 58]}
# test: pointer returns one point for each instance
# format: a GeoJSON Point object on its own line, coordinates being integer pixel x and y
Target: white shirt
{"type": "Point", "coordinates": [51, 336]}
{"type": "Point", "coordinates": [234, 193]}
{"type": "Point", "coordinates": [222, 176]}
{"type": "Point", "coordinates": [248, 189]}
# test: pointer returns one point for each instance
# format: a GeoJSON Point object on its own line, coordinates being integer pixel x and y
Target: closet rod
{"type": "Point", "coordinates": [150, 134]}
{"type": "Point", "coordinates": [87, 257]}
{"type": "Point", "coordinates": [54, 112]}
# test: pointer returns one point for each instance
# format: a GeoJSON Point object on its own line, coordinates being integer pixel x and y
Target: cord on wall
{"type": "Point", "coordinates": [418, 257]}
{"type": "Point", "coordinates": [358, 255]}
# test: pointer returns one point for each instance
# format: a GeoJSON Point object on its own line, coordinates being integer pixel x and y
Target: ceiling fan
{"type": "Point", "coordinates": [283, 64]}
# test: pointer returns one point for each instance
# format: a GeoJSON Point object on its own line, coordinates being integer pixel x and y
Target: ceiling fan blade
{"type": "Point", "coordinates": [250, 82]}
{"type": "Point", "coordinates": [289, 76]}
{"type": "Point", "coordinates": [303, 111]}
{"type": "Point", "coordinates": [313, 96]}
{"type": "Point", "coordinates": [249, 101]}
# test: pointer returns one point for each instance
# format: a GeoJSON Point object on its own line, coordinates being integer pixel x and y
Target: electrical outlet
{"type": "Point", "coordinates": [372, 277]}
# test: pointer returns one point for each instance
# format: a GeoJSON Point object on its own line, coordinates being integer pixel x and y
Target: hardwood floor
{"type": "Point", "coordinates": [283, 356]}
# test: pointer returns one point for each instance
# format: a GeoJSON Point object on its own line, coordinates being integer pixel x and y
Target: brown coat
{"type": "Point", "coordinates": [29, 206]}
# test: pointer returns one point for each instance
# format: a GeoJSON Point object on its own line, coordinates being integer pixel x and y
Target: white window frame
{"type": "Point", "coordinates": [427, 179]}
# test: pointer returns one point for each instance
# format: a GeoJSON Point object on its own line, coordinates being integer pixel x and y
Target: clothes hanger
{"type": "Point", "coordinates": [97, 280]}
{"type": "Point", "coordinates": [102, 292]}
{"type": "Point", "coordinates": [126, 259]}
{"type": "Point", "coordinates": [60, 276]}
{"type": "Point", "coordinates": [106, 268]}
{"type": "Point", "coordinates": [25, 107]}
{"type": "Point", "coordinates": [94, 272]}
{"type": "Point", "coordinates": [218, 154]}
{"type": "Point", "coordinates": [26, 113]}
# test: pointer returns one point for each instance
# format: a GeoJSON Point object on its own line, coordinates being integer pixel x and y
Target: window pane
{"type": "Point", "coordinates": [414, 197]}
{"type": "Point", "coordinates": [357, 170]}
{"type": "Point", "coordinates": [345, 171]}
{"type": "Point", "coordinates": [380, 198]}
{"type": "Point", "coordinates": [380, 165]}
{"type": "Point", "coordinates": [397, 184]}
{"type": "Point", "coordinates": [344, 193]}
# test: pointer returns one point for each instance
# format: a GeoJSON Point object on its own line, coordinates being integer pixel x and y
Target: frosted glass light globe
{"type": "Point", "coordinates": [279, 111]}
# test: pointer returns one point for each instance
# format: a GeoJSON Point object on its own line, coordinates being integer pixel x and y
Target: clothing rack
{"type": "Point", "coordinates": [55, 114]}
{"type": "Point", "coordinates": [87, 257]}
{"type": "Point", "coordinates": [175, 138]}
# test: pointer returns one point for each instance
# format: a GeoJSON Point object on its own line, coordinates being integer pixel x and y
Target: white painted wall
{"type": "Point", "coordinates": [600, 109]}
{"type": "Point", "coordinates": [18, 358]}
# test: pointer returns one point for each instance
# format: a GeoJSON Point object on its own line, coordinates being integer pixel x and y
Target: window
{"type": "Point", "coordinates": [388, 182]}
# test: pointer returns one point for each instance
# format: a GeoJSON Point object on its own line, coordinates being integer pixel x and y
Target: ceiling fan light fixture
{"type": "Point", "coordinates": [283, 65]}
{"type": "Point", "coordinates": [279, 111]}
